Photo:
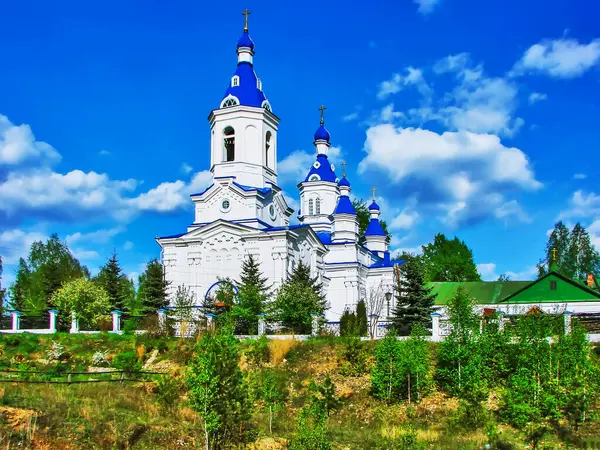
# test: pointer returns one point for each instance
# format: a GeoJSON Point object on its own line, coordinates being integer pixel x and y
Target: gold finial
{"type": "Point", "coordinates": [553, 254]}
{"type": "Point", "coordinates": [343, 169]}
{"type": "Point", "coordinates": [373, 191]}
{"type": "Point", "coordinates": [322, 109]}
{"type": "Point", "coordinates": [246, 13]}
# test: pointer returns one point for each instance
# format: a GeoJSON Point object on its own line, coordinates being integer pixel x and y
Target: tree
{"type": "Point", "coordinates": [558, 243]}
{"type": "Point", "coordinates": [301, 275]}
{"type": "Point", "coordinates": [348, 325]}
{"type": "Point", "coordinates": [361, 318]}
{"type": "Point", "coordinates": [503, 277]}
{"type": "Point", "coordinates": [183, 302]}
{"type": "Point", "coordinates": [217, 388]}
{"type": "Point", "coordinates": [83, 297]}
{"type": "Point", "coordinates": [449, 260]}
{"type": "Point", "coordinates": [375, 301]}
{"type": "Point", "coordinates": [152, 287]}
{"type": "Point", "coordinates": [133, 303]}
{"type": "Point", "coordinates": [274, 392]}
{"type": "Point", "coordinates": [294, 306]}
{"type": "Point", "coordinates": [386, 382]}
{"type": "Point", "coordinates": [252, 297]}
{"type": "Point", "coordinates": [414, 301]}
{"type": "Point", "coordinates": [112, 279]}
{"type": "Point", "coordinates": [47, 267]}
{"type": "Point", "coordinates": [582, 258]}
{"type": "Point", "coordinates": [364, 216]}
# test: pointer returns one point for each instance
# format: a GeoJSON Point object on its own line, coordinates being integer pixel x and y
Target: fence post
{"type": "Point", "coordinates": [262, 324]}
{"type": "Point", "coordinates": [435, 326]}
{"type": "Point", "coordinates": [567, 318]}
{"type": "Point", "coordinates": [74, 323]}
{"type": "Point", "coordinates": [52, 327]}
{"type": "Point", "coordinates": [210, 321]}
{"type": "Point", "coordinates": [116, 319]}
{"type": "Point", "coordinates": [501, 321]}
{"type": "Point", "coordinates": [315, 325]}
{"type": "Point", "coordinates": [162, 319]}
{"type": "Point", "coordinates": [16, 319]}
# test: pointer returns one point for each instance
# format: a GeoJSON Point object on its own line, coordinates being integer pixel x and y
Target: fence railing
{"type": "Point", "coordinates": [50, 377]}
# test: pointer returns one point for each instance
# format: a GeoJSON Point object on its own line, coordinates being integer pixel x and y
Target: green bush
{"type": "Point", "coordinates": [167, 391]}
{"type": "Point", "coordinates": [259, 351]}
{"type": "Point", "coordinates": [127, 361]}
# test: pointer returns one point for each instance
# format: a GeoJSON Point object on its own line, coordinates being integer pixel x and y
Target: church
{"type": "Point", "coordinates": [244, 212]}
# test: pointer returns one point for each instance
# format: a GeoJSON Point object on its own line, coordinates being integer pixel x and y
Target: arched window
{"type": "Point", "coordinates": [267, 147]}
{"type": "Point", "coordinates": [229, 101]}
{"type": "Point", "coordinates": [229, 144]}
{"type": "Point", "coordinates": [310, 207]}
{"type": "Point", "coordinates": [314, 177]}
{"type": "Point", "coordinates": [318, 202]}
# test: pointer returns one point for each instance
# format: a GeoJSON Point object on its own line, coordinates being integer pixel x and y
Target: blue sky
{"type": "Point", "coordinates": [471, 118]}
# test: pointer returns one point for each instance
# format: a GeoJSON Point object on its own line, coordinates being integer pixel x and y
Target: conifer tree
{"type": "Point", "coordinates": [152, 287]}
{"type": "Point", "coordinates": [361, 318]}
{"type": "Point", "coordinates": [252, 296]}
{"type": "Point", "coordinates": [581, 258]}
{"type": "Point", "coordinates": [414, 301]}
{"type": "Point", "coordinates": [301, 275]}
{"type": "Point", "coordinates": [114, 282]}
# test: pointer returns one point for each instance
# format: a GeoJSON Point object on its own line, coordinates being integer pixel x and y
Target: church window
{"type": "Point", "coordinates": [552, 285]}
{"type": "Point", "coordinates": [229, 101]}
{"type": "Point", "coordinates": [225, 204]}
{"type": "Point", "coordinates": [259, 84]}
{"type": "Point", "coordinates": [266, 105]}
{"type": "Point", "coordinates": [311, 207]}
{"type": "Point", "coordinates": [235, 81]}
{"type": "Point", "coordinates": [318, 205]}
{"type": "Point", "coordinates": [267, 147]}
{"type": "Point", "coordinates": [314, 177]}
{"type": "Point", "coordinates": [229, 143]}
{"type": "Point", "coordinates": [272, 211]}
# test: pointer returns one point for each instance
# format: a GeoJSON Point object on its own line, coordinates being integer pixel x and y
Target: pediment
{"type": "Point", "coordinates": [219, 227]}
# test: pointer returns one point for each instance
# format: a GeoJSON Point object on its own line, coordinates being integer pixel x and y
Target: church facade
{"type": "Point", "coordinates": [244, 212]}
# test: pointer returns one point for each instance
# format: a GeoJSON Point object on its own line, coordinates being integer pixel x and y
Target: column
{"type": "Point", "coordinates": [74, 323]}
{"type": "Point", "coordinates": [53, 313]}
{"type": "Point", "coordinates": [162, 319]}
{"type": "Point", "coordinates": [435, 326]}
{"type": "Point", "coordinates": [16, 320]}
{"type": "Point", "coordinates": [567, 318]}
{"type": "Point", "coordinates": [262, 324]}
{"type": "Point", "coordinates": [501, 321]}
{"type": "Point", "coordinates": [116, 320]}
{"type": "Point", "coordinates": [315, 325]}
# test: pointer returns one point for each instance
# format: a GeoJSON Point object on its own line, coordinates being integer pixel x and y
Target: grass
{"type": "Point", "coordinates": [154, 415]}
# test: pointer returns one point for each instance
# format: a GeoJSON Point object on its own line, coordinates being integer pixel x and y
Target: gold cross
{"type": "Point", "coordinates": [373, 191]}
{"type": "Point", "coordinates": [322, 109]}
{"type": "Point", "coordinates": [246, 13]}
{"type": "Point", "coordinates": [554, 254]}
{"type": "Point", "coordinates": [343, 169]}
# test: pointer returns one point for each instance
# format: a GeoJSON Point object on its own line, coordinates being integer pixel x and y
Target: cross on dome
{"type": "Point", "coordinates": [373, 189]}
{"type": "Point", "coordinates": [322, 109]}
{"type": "Point", "coordinates": [246, 13]}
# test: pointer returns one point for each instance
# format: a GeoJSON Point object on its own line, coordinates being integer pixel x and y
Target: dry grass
{"type": "Point", "coordinates": [279, 348]}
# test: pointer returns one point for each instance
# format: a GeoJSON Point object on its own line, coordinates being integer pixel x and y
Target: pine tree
{"type": "Point", "coordinates": [115, 283]}
{"type": "Point", "coordinates": [252, 297]}
{"type": "Point", "coordinates": [19, 290]}
{"type": "Point", "coordinates": [301, 275]}
{"type": "Point", "coordinates": [152, 287]}
{"type": "Point", "coordinates": [414, 300]}
{"type": "Point", "coordinates": [581, 258]}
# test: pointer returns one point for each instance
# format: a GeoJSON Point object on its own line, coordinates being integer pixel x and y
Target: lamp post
{"type": "Point", "coordinates": [388, 298]}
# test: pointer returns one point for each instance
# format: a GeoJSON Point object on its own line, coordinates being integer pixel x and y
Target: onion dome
{"type": "Point", "coordinates": [245, 41]}
{"type": "Point", "coordinates": [322, 134]}
{"type": "Point", "coordinates": [344, 182]}
{"type": "Point", "coordinates": [321, 170]}
{"type": "Point", "coordinates": [374, 206]}
{"type": "Point", "coordinates": [374, 228]}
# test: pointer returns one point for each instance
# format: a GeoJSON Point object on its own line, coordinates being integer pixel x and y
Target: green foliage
{"type": "Point", "coordinates": [576, 256]}
{"type": "Point", "coordinates": [115, 283]}
{"type": "Point", "coordinates": [449, 260]}
{"type": "Point", "coordinates": [127, 361]}
{"type": "Point", "coordinates": [252, 298]}
{"type": "Point", "coordinates": [354, 355]}
{"type": "Point", "coordinates": [414, 301]}
{"type": "Point", "coordinates": [259, 351]}
{"type": "Point", "coordinates": [361, 318]}
{"type": "Point", "coordinates": [274, 392]}
{"type": "Point", "coordinates": [218, 390]}
{"type": "Point", "coordinates": [183, 301]}
{"type": "Point", "coordinates": [324, 396]}
{"type": "Point", "coordinates": [348, 324]}
{"type": "Point", "coordinates": [84, 297]}
{"type": "Point", "coordinates": [48, 266]}
{"type": "Point", "coordinates": [297, 299]}
{"type": "Point", "coordinates": [168, 389]}
{"type": "Point", "coordinates": [152, 287]}
{"type": "Point", "coordinates": [364, 216]}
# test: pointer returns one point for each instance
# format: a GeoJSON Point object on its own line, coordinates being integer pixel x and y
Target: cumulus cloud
{"type": "Point", "coordinates": [535, 97]}
{"type": "Point", "coordinates": [405, 220]}
{"type": "Point", "coordinates": [350, 117]}
{"type": "Point", "coordinates": [487, 271]}
{"type": "Point", "coordinates": [19, 146]}
{"type": "Point", "coordinates": [15, 243]}
{"type": "Point", "coordinates": [101, 236]}
{"type": "Point", "coordinates": [411, 77]}
{"type": "Point", "coordinates": [579, 176]}
{"type": "Point", "coordinates": [559, 58]}
{"type": "Point", "coordinates": [582, 205]}
{"type": "Point", "coordinates": [128, 245]}
{"type": "Point", "coordinates": [426, 6]}
{"type": "Point", "coordinates": [186, 168]}
{"type": "Point", "coordinates": [465, 174]}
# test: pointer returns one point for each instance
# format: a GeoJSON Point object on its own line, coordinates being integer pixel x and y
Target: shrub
{"type": "Point", "coordinates": [99, 358]}
{"type": "Point", "coordinates": [167, 391]}
{"type": "Point", "coordinates": [56, 352]}
{"type": "Point", "coordinates": [127, 361]}
{"type": "Point", "coordinates": [259, 351]}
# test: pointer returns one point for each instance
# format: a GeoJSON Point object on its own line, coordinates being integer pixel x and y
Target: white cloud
{"type": "Point", "coordinates": [512, 211]}
{"type": "Point", "coordinates": [487, 271]}
{"type": "Point", "coordinates": [85, 255]}
{"type": "Point", "coordinates": [465, 174]}
{"type": "Point", "coordinates": [582, 205]}
{"type": "Point", "coordinates": [412, 77]}
{"type": "Point", "coordinates": [104, 152]}
{"type": "Point", "coordinates": [294, 167]}
{"type": "Point", "coordinates": [15, 243]}
{"type": "Point", "coordinates": [128, 245]}
{"type": "Point", "coordinates": [560, 58]}
{"type": "Point", "coordinates": [530, 273]}
{"type": "Point", "coordinates": [186, 168]}
{"type": "Point", "coordinates": [350, 117]}
{"type": "Point", "coordinates": [19, 146]}
{"type": "Point", "coordinates": [406, 219]}
{"type": "Point", "coordinates": [426, 6]}
{"type": "Point", "coordinates": [535, 97]}
{"type": "Point", "coordinates": [579, 176]}
{"type": "Point", "coordinates": [102, 236]}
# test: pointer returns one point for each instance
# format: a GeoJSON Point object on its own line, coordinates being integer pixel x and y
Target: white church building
{"type": "Point", "coordinates": [244, 211]}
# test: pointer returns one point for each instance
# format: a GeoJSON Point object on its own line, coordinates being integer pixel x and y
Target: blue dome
{"type": "Point", "coordinates": [344, 182]}
{"type": "Point", "coordinates": [245, 41]}
{"type": "Point", "coordinates": [247, 91]}
{"type": "Point", "coordinates": [322, 134]}
{"type": "Point", "coordinates": [323, 170]}
{"type": "Point", "coordinates": [344, 206]}
{"type": "Point", "coordinates": [374, 228]}
{"type": "Point", "coordinates": [373, 206]}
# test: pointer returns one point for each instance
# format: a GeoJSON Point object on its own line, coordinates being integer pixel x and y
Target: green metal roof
{"type": "Point", "coordinates": [485, 292]}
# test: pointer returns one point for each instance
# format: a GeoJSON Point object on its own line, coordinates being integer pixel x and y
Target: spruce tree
{"type": "Point", "coordinates": [252, 297]}
{"type": "Point", "coordinates": [301, 275]}
{"type": "Point", "coordinates": [115, 283]}
{"type": "Point", "coordinates": [152, 287]}
{"type": "Point", "coordinates": [414, 300]}
{"type": "Point", "coordinates": [581, 258]}
{"type": "Point", "coordinates": [20, 288]}
{"type": "Point", "coordinates": [361, 318]}
{"type": "Point", "coordinates": [558, 242]}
